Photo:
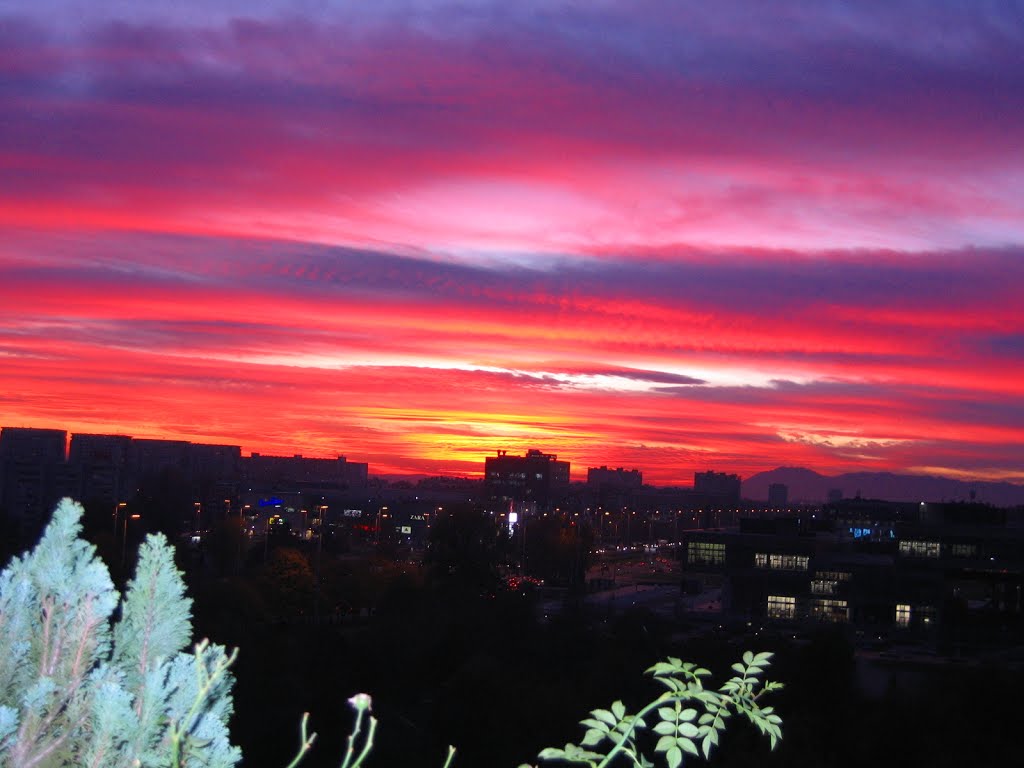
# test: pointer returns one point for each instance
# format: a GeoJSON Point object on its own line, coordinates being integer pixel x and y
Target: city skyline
{"type": "Point", "coordinates": [667, 236]}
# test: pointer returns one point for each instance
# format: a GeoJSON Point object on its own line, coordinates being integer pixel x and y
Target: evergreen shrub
{"type": "Point", "coordinates": [85, 684]}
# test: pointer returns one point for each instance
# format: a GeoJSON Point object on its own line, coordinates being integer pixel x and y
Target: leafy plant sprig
{"type": "Point", "coordinates": [681, 727]}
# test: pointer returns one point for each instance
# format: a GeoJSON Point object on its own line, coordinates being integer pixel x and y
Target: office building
{"type": "Point", "coordinates": [618, 479]}
{"type": "Point", "coordinates": [536, 482]}
{"type": "Point", "coordinates": [949, 575]}
{"type": "Point", "coordinates": [778, 495]}
{"type": "Point", "coordinates": [717, 489]}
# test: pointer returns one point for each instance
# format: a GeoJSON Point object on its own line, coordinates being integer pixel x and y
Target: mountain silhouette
{"type": "Point", "coordinates": [808, 485]}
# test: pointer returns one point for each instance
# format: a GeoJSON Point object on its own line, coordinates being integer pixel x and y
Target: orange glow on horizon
{"type": "Point", "coordinates": [651, 240]}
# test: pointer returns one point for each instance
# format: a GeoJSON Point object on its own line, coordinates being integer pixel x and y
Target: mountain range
{"type": "Point", "coordinates": [808, 485]}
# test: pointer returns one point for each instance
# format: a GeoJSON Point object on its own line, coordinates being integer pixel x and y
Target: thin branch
{"type": "Point", "coordinates": [306, 740]}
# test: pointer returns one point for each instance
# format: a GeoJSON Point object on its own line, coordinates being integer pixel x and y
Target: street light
{"type": "Point", "coordinates": [117, 512]}
{"type": "Point", "coordinates": [124, 537]}
{"type": "Point", "coordinates": [379, 511]}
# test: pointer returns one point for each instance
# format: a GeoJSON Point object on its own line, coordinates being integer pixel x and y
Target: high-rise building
{"type": "Point", "coordinates": [717, 488]}
{"type": "Point", "coordinates": [215, 463]}
{"type": "Point", "coordinates": [297, 470]}
{"type": "Point", "coordinates": [40, 446]}
{"type": "Point", "coordinates": [537, 479]}
{"type": "Point", "coordinates": [33, 477]}
{"type": "Point", "coordinates": [618, 479]}
{"type": "Point", "coordinates": [778, 495]}
{"type": "Point", "coordinates": [102, 463]}
{"type": "Point", "coordinates": [154, 457]}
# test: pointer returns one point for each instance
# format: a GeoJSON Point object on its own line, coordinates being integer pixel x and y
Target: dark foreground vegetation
{"type": "Point", "coordinates": [451, 656]}
{"type": "Point", "coordinates": [453, 659]}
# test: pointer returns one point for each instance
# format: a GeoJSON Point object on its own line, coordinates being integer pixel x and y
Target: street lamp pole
{"type": "Point", "coordinates": [379, 511]}
{"type": "Point", "coordinates": [117, 512]}
{"type": "Point", "coordinates": [124, 537]}
{"type": "Point", "coordinates": [322, 509]}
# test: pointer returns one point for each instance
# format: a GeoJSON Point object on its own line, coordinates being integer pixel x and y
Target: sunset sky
{"type": "Point", "coordinates": [673, 236]}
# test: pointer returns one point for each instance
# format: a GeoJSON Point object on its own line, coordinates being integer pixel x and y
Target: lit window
{"type": "Point", "coordinates": [781, 607]}
{"type": "Point", "coordinates": [781, 562]}
{"type": "Point", "coordinates": [705, 552]}
{"type": "Point", "coordinates": [824, 586]}
{"type": "Point", "coordinates": [963, 550]}
{"type": "Point", "coordinates": [902, 615]}
{"type": "Point", "coordinates": [830, 610]}
{"type": "Point", "coordinates": [832, 575]}
{"type": "Point", "coordinates": [918, 548]}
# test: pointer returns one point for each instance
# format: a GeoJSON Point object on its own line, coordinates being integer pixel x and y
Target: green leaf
{"type": "Point", "coordinates": [671, 683]}
{"type": "Point", "coordinates": [665, 728]}
{"type": "Point", "coordinates": [605, 715]}
{"type": "Point", "coordinates": [706, 744]}
{"type": "Point", "coordinates": [592, 737]}
{"type": "Point", "coordinates": [591, 723]}
{"type": "Point", "coordinates": [748, 658]}
{"type": "Point", "coordinates": [737, 667]}
{"type": "Point", "coordinates": [667, 713]}
{"type": "Point", "coordinates": [688, 714]}
{"type": "Point", "coordinates": [688, 730]}
{"type": "Point", "coordinates": [661, 668]}
{"type": "Point", "coordinates": [688, 746]}
{"type": "Point", "coordinates": [665, 743]}
{"type": "Point", "coordinates": [619, 710]}
{"type": "Point", "coordinates": [552, 753]}
{"type": "Point", "coordinates": [576, 754]}
{"type": "Point", "coordinates": [674, 757]}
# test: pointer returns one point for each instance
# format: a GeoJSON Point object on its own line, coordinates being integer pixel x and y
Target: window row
{"type": "Point", "coordinates": [905, 614]}
{"type": "Point", "coordinates": [784, 607]}
{"type": "Point", "coordinates": [781, 562]}
{"type": "Point", "coordinates": [920, 548]}
{"type": "Point", "coordinates": [838, 611]}
{"type": "Point", "coordinates": [705, 553]}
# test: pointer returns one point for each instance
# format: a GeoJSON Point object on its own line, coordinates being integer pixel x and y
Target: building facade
{"type": "Point", "coordinates": [717, 488]}
{"type": "Point", "coordinates": [942, 578]}
{"type": "Point", "coordinates": [536, 481]}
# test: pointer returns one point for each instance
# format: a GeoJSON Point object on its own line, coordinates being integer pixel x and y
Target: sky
{"type": "Point", "coordinates": [665, 235]}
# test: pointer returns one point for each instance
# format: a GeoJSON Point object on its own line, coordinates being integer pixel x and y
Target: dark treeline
{"type": "Point", "coordinates": [451, 656]}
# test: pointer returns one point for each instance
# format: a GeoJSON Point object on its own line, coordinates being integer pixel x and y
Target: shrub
{"type": "Point", "coordinates": [80, 688]}
{"type": "Point", "coordinates": [689, 718]}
